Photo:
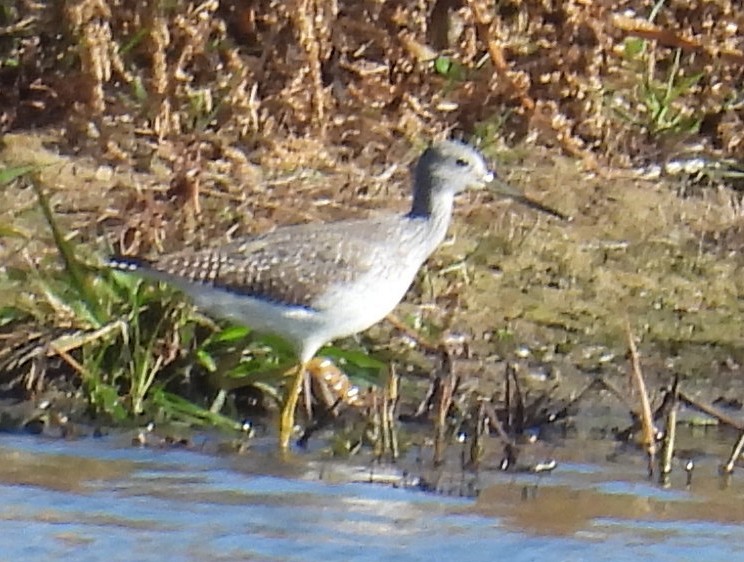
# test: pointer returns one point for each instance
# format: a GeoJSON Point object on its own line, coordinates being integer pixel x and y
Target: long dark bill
{"type": "Point", "coordinates": [503, 188]}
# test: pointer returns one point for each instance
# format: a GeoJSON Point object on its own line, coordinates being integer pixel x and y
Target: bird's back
{"type": "Point", "coordinates": [296, 265]}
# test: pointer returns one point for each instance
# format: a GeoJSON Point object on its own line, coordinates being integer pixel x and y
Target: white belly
{"type": "Point", "coordinates": [341, 312]}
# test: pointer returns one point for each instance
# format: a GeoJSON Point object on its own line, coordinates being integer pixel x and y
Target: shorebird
{"type": "Point", "coordinates": [311, 284]}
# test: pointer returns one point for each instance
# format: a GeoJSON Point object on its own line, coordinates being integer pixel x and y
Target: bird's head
{"type": "Point", "coordinates": [452, 166]}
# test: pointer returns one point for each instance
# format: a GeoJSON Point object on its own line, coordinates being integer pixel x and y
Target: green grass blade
{"type": "Point", "coordinates": [7, 175]}
{"type": "Point", "coordinates": [79, 279]}
{"type": "Point", "coordinates": [10, 231]}
{"type": "Point", "coordinates": [179, 409]}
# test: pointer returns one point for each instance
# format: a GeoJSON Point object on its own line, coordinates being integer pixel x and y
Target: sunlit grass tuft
{"type": "Point", "coordinates": [138, 350]}
{"type": "Point", "coordinates": [125, 341]}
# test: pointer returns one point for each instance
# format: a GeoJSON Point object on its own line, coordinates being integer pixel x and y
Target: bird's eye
{"type": "Point", "coordinates": [461, 162]}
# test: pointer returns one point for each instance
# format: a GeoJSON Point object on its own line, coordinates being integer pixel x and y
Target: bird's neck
{"type": "Point", "coordinates": [432, 206]}
{"type": "Point", "coordinates": [430, 197]}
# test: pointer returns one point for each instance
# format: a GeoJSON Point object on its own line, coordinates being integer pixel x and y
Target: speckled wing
{"type": "Point", "coordinates": [292, 265]}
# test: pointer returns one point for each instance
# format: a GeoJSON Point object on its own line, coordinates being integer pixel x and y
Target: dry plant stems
{"type": "Point", "coordinates": [427, 402]}
{"type": "Point", "coordinates": [307, 394]}
{"type": "Point", "coordinates": [390, 400]}
{"type": "Point", "coordinates": [190, 31]}
{"type": "Point", "coordinates": [449, 382]}
{"type": "Point", "coordinates": [63, 345]}
{"type": "Point", "coordinates": [71, 361]}
{"type": "Point", "coordinates": [510, 449]}
{"type": "Point", "coordinates": [18, 26]}
{"type": "Point", "coordinates": [477, 447]}
{"type": "Point", "coordinates": [159, 39]}
{"type": "Point", "coordinates": [314, 20]}
{"type": "Point", "coordinates": [69, 342]}
{"type": "Point", "coordinates": [496, 53]}
{"type": "Point", "coordinates": [711, 411]}
{"type": "Point", "coordinates": [241, 61]}
{"type": "Point", "coordinates": [412, 334]}
{"type": "Point", "coordinates": [491, 422]}
{"type": "Point", "coordinates": [180, 36]}
{"type": "Point", "coordinates": [90, 20]}
{"type": "Point", "coordinates": [508, 395]}
{"type": "Point", "coordinates": [644, 29]}
{"type": "Point", "coordinates": [647, 422]}
{"type": "Point", "coordinates": [728, 466]}
{"type": "Point", "coordinates": [436, 388]}
{"type": "Point", "coordinates": [515, 417]}
{"type": "Point", "coordinates": [544, 116]}
{"type": "Point", "coordinates": [381, 418]}
{"type": "Point", "coordinates": [494, 423]}
{"type": "Point", "coordinates": [670, 433]}
{"type": "Point", "coordinates": [375, 432]}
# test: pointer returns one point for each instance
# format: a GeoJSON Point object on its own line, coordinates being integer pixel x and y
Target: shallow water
{"type": "Point", "coordinates": [100, 499]}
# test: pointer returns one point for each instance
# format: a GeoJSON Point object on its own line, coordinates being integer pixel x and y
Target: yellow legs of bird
{"type": "Point", "coordinates": [287, 418]}
{"type": "Point", "coordinates": [324, 385]}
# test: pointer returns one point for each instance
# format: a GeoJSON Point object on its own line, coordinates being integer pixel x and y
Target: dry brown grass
{"type": "Point", "coordinates": [363, 73]}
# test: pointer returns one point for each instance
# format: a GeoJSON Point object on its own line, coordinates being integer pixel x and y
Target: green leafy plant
{"type": "Point", "coordinates": [450, 68]}
{"type": "Point", "coordinates": [131, 346]}
{"type": "Point", "coordinates": [657, 105]}
{"type": "Point", "coordinates": [122, 338]}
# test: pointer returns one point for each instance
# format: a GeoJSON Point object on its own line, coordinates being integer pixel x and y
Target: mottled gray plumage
{"type": "Point", "coordinates": [361, 267]}
{"type": "Point", "coordinates": [293, 265]}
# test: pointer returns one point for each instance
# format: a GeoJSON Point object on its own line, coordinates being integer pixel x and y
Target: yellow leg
{"type": "Point", "coordinates": [286, 423]}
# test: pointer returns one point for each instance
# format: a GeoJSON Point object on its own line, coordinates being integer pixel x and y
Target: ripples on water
{"type": "Point", "coordinates": [101, 500]}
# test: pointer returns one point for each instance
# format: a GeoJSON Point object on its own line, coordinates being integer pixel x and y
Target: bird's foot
{"type": "Point", "coordinates": [325, 385]}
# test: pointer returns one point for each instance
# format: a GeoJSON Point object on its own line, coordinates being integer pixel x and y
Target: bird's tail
{"type": "Point", "coordinates": [127, 263]}
{"type": "Point", "coordinates": [144, 268]}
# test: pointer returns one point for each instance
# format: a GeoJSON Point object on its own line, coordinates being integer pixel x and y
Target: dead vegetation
{"type": "Point", "coordinates": [204, 120]}
{"type": "Point", "coordinates": [204, 96]}
{"type": "Point", "coordinates": [628, 82]}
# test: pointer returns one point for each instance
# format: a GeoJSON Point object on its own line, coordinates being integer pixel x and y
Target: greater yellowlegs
{"type": "Point", "coordinates": [311, 284]}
